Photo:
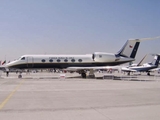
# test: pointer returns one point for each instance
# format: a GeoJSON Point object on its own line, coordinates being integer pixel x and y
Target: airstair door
{"type": "Point", "coordinates": [30, 62]}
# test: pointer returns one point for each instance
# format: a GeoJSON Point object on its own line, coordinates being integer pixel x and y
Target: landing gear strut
{"type": "Point", "coordinates": [91, 74]}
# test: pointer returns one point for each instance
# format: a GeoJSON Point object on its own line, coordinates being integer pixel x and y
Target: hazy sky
{"type": "Point", "coordinates": [76, 26]}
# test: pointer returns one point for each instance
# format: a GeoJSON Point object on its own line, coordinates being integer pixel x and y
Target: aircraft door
{"type": "Point", "coordinates": [30, 62]}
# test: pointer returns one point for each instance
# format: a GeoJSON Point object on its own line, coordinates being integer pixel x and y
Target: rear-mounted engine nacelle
{"type": "Point", "coordinates": [104, 57]}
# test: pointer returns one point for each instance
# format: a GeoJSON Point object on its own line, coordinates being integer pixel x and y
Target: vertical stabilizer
{"type": "Point", "coordinates": [156, 60]}
{"type": "Point", "coordinates": [130, 48]}
{"type": "Point", "coordinates": [140, 63]}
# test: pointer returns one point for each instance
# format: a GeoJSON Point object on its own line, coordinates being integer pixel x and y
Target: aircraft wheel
{"type": "Point", "coordinates": [148, 73]}
{"type": "Point", "coordinates": [19, 76]}
{"type": "Point", "coordinates": [128, 73]}
{"type": "Point", "coordinates": [83, 75]}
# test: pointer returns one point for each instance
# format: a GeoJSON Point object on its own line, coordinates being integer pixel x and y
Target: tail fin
{"type": "Point", "coordinates": [156, 60]}
{"type": "Point", "coordinates": [130, 48]}
{"type": "Point", "coordinates": [140, 63]}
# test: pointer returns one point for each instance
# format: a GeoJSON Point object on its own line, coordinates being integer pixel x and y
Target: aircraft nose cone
{"type": "Point", "coordinates": [10, 64]}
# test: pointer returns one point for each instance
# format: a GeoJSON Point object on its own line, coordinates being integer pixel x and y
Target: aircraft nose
{"type": "Point", "coordinates": [10, 64]}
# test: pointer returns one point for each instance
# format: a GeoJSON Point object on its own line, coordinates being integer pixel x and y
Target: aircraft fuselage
{"type": "Point", "coordinates": [64, 61]}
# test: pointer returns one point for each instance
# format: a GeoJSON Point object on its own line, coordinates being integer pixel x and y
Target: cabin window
{"type": "Point", "coordinates": [73, 60]}
{"type": "Point", "coordinates": [43, 60]}
{"type": "Point", "coordinates": [65, 60]}
{"type": "Point", "coordinates": [80, 60]}
{"type": "Point", "coordinates": [23, 58]}
{"type": "Point", "coordinates": [100, 56]}
{"type": "Point", "coordinates": [50, 60]}
{"type": "Point", "coordinates": [58, 60]}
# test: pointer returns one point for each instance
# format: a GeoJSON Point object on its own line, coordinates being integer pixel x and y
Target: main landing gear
{"type": "Point", "coordinates": [84, 74]}
{"type": "Point", "coordinates": [148, 74]}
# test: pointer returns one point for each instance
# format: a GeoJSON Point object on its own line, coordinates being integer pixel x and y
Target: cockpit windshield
{"type": "Point", "coordinates": [23, 58]}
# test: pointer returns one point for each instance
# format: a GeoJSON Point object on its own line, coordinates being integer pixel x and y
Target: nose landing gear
{"type": "Point", "coordinates": [20, 75]}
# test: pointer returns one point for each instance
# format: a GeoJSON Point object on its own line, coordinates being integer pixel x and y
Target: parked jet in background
{"type": "Point", "coordinates": [81, 63]}
{"type": "Point", "coordinates": [146, 67]}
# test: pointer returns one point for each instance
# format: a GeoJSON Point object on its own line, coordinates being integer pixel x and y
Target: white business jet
{"type": "Point", "coordinates": [80, 63]}
{"type": "Point", "coordinates": [146, 67]}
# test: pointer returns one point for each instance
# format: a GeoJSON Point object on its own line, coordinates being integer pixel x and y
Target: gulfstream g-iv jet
{"type": "Point", "coordinates": [80, 63]}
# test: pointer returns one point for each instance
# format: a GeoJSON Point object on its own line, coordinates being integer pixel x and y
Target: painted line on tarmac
{"type": "Point", "coordinates": [10, 95]}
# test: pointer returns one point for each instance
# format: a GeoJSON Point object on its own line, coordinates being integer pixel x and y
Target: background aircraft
{"type": "Point", "coordinates": [146, 67]}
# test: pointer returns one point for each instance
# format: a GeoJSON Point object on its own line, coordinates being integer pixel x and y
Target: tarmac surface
{"type": "Point", "coordinates": [48, 96]}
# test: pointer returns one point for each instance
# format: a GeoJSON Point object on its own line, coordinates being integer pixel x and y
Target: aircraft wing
{"type": "Point", "coordinates": [92, 68]}
{"type": "Point", "coordinates": [125, 69]}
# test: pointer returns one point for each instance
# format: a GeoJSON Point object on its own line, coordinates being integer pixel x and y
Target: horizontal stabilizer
{"type": "Point", "coordinates": [142, 39]}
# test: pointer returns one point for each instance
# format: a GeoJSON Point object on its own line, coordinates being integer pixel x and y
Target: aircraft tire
{"type": "Point", "coordinates": [128, 73]}
{"type": "Point", "coordinates": [19, 76]}
{"type": "Point", "coordinates": [83, 75]}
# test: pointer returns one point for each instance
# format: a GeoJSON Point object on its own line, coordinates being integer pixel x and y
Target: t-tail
{"type": "Point", "coordinates": [130, 49]}
{"type": "Point", "coordinates": [156, 60]}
